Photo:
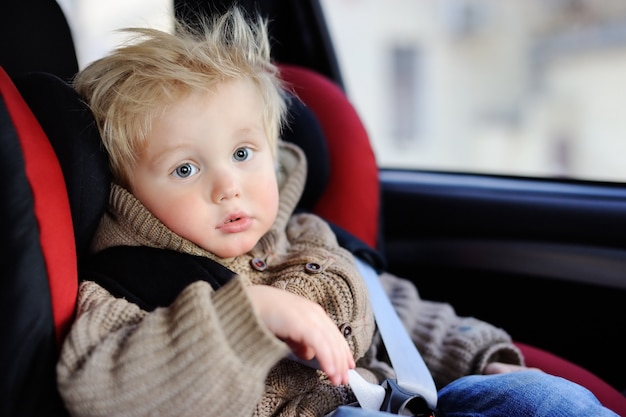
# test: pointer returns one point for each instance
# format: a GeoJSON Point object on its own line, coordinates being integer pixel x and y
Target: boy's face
{"type": "Point", "coordinates": [207, 171]}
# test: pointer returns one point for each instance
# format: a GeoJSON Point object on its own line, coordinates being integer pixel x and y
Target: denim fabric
{"type": "Point", "coordinates": [517, 394]}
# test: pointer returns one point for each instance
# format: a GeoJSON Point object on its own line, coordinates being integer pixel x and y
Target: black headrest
{"type": "Point", "coordinates": [71, 130]}
{"type": "Point", "coordinates": [304, 130]}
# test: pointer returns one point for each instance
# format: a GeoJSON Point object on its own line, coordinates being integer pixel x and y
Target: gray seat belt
{"type": "Point", "coordinates": [412, 374]}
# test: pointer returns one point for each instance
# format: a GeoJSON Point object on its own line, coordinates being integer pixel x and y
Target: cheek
{"type": "Point", "coordinates": [267, 195]}
{"type": "Point", "coordinates": [174, 212]}
{"type": "Point", "coordinates": [170, 215]}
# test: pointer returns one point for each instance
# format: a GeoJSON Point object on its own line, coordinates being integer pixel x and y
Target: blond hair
{"type": "Point", "coordinates": [134, 84]}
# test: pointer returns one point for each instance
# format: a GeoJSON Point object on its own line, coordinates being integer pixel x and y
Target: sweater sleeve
{"type": "Point", "coordinates": [206, 354]}
{"type": "Point", "coordinates": [317, 268]}
{"type": "Point", "coordinates": [452, 346]}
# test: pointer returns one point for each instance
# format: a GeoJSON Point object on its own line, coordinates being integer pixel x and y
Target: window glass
{"type": "Point", "coordinates": [520, 87]}
{"type": "Point", "coordinates": [94, 22]}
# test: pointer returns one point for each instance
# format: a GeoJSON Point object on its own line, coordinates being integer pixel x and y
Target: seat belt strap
{"type": "Point", "coordinates": [412, 374]}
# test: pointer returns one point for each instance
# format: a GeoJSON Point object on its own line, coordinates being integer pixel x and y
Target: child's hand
{"type": "Point", "coordinates": [306, 328]}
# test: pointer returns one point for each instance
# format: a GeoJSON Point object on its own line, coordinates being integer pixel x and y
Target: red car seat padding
{"type": "Point", "coordinates": [353, 178]}
{"type": "Point", "coordinates": [552, 364]}
{"type": "Point", "coordinates": [39, 273]}
{"type": "Point", "coordinates": [51, 206]}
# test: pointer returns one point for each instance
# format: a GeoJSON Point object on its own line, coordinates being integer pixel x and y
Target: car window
{"type": "Point", "coordinates": [516, 87]}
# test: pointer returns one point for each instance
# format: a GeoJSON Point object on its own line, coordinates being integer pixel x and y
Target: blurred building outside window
{"type": "Point", "coordinates": [514, 87]}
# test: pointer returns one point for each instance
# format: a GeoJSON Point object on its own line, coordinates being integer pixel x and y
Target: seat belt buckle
{"type": "Point", "coordinates": [402, 402]}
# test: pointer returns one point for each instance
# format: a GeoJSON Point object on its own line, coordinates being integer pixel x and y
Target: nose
{"type": "Point", "coordinates": [225, 187]}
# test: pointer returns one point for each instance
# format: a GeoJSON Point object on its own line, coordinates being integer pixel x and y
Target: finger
{"type": "Point", "coordinates": [336, 359]}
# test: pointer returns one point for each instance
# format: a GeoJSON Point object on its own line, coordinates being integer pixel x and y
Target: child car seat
{"type": "Point", "coordinates": [39, 279]}
{"type": "Point", "coordinates": [46, 222]}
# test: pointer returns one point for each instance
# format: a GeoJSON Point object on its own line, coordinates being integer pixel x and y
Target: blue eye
{"type": "Point", "coordinates": [185, 170]}
{"type": "Point", "coordinates": [242, 154]}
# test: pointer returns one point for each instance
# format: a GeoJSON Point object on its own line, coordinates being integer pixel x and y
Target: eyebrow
{"type": "Point", "coordinates": [159, 156]}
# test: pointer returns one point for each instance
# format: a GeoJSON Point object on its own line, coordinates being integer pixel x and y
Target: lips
{"type": "Point", "coordinates": [234, 217]}
{"type": "Point", "coordinates": [236, 223]}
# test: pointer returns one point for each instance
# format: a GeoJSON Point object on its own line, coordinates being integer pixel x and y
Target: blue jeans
{"type": "Point", "coordinates": [517, 394]}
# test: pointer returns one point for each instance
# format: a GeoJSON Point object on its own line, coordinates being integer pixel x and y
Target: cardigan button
{"type": "Point", "coordinates": [346, 330]}
{"type": "Point", "coordinates": [313, 268]}
{"type": "Point", "coordinates": [258, 264]}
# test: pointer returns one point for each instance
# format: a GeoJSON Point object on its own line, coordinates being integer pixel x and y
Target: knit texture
{"type": "Point", "coordinates": [451, 346]}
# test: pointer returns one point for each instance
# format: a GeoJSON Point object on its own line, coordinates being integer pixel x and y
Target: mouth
{"type": "Point", "coordinates": [234, 218]}
{"type": "Point", "coordinates": [236, 223]}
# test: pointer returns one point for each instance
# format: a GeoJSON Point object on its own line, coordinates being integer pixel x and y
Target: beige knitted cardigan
{"type": "Point", "coordinates": [208, 355]}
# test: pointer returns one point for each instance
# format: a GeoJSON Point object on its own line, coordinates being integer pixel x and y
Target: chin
{"type": "Point", "coordinates": [233, 252]}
